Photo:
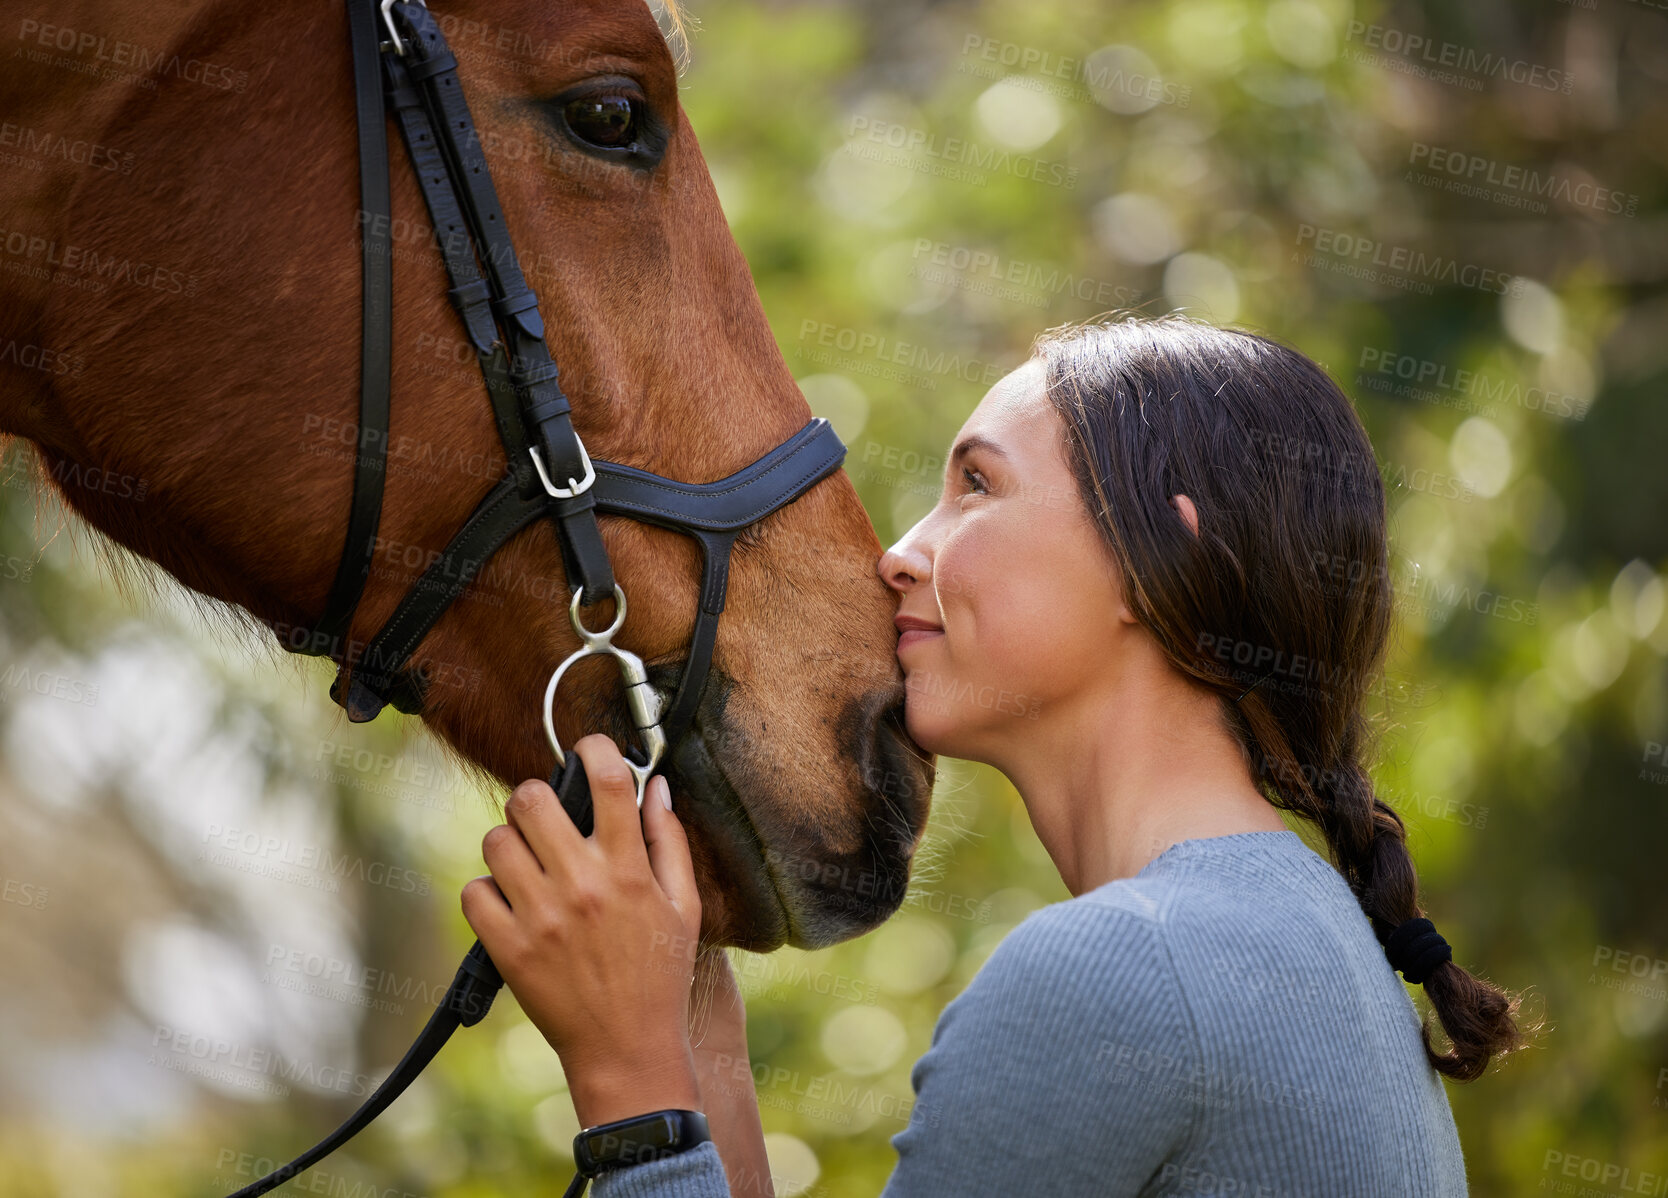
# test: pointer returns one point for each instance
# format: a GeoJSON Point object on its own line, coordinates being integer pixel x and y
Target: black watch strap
{"type": "Point", "coordinates": [635, 1141]}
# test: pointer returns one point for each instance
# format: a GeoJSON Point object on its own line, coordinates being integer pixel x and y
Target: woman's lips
{"type": "Point", "coordinates": [913, 635]}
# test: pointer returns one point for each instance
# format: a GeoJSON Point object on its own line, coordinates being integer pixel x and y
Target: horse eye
{"type": "Point", "coordinates": [608, 122]}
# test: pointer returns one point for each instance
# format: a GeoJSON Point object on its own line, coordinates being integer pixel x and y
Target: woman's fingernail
{"type": "Point", "coordinates": [665, 788]}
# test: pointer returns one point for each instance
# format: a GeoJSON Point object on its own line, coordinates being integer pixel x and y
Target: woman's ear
{"type": "Point", "coordinates": [1189, 514]}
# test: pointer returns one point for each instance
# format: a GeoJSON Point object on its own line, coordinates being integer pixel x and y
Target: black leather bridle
{"type": "Point", "coordinates": [400, 55]}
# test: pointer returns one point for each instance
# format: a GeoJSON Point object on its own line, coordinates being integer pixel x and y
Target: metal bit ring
{"type": "Point", "coordinates": [643, 700]}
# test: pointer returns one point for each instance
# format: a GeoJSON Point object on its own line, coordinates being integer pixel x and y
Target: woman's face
{"type": "Point", "coordinates": [1025, 612]}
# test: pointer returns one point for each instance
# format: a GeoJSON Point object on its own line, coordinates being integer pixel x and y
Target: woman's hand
{"type": "Point", "coordinates": [596, 936]}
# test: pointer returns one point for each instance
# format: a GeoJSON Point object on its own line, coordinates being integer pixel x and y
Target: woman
{"type": "Point", "coordinates": [1172, 537]}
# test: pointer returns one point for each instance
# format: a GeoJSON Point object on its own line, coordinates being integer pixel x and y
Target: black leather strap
{"type": "Point", "coordinates": [376, 347]}
{"type": "Point", "coordinates": [501, 515]}
{"type": "Point", "coordinates": [526, 361]}
{"type": "Point", "coordinates": [469, 292]}
{"type": "Point", "coordinates": [465, 1003]}
{"type": "Point", "coordinates": [730, 504]}
{"type": "Point", "coordinates": [677, 719]}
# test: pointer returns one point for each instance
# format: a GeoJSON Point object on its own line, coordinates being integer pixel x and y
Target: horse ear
{"type": "Point", "coordinates": [1189, 513]}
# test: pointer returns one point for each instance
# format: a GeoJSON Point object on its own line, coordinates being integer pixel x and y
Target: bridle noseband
{"type": "Point", "coordinates": [415, 72]}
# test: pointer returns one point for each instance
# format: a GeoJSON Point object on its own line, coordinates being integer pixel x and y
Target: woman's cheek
{"type": "Point", "coordinates": [955, 580]}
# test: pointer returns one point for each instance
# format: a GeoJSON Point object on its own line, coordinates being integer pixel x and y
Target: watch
{"type": "Point", "coordinates": [634, 1141]}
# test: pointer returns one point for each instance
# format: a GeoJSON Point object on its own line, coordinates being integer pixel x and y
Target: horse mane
{"type": "Point", "coordinates": [136, 580]}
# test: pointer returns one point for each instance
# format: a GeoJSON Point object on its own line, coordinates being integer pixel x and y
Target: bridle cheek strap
{"type": "Point", "coordinates": [376, 348]}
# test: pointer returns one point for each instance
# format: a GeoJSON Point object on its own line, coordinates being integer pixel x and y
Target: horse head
{"type": "Point", "coordinates": [208, 288]}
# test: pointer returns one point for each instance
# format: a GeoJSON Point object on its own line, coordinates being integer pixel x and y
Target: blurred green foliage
{"type": "Point", "coordinates": [920, 189]}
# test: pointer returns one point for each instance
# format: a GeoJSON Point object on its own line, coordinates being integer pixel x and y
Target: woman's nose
{"type": "Point", "coordinates": [905, 564]}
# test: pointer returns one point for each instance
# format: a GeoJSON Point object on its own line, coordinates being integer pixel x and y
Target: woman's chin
{"type": "Point", "coordinates": [926, 719]}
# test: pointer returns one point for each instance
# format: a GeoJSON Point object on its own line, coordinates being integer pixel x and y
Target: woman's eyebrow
{"type": "Point", "coordinates": [969, 443]}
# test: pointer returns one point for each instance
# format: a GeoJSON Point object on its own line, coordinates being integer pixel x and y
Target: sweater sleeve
{"type": "Point", "coordinates": [1065, 1067]}
{"type": "Point", "coordinates": [698, 1173]}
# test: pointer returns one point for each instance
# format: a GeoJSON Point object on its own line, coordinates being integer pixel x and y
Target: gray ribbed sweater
{"type": "Point", "coordinates": [1222, 1023]}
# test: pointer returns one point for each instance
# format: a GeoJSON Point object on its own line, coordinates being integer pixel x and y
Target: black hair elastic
{"type": "Point", "coordinates": [1416, 948]}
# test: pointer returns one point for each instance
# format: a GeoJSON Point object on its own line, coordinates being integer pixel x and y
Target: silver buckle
{"type": "Point", "coordinates": [388, 20]}
{"type": "Point", "coordinates": [575, 486]}
{"type": "Point", "coordinates": [642, 698]}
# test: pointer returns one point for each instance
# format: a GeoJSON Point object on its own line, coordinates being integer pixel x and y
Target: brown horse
{"type": "Point", "coordinates": [179, 339]}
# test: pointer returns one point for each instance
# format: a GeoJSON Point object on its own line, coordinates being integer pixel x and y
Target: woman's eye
{"type": "Point", "coordinates": [974, 480]}
{"type": "Point", "coordinates": [608, 122]}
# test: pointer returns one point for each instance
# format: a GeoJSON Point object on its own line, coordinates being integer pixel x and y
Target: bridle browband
{"type": "Point", "coordinates": [418, 78]}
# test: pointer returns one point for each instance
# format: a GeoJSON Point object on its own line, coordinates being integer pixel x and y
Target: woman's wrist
{"type": "Point", "coordinates": [624, 1088]}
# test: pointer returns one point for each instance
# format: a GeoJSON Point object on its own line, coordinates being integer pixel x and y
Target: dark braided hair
{"type": "Point", "coordinates": [1282, 604]}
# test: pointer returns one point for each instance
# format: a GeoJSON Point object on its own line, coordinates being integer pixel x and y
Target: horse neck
{"type": "Point", "coordinates": [65, 98]}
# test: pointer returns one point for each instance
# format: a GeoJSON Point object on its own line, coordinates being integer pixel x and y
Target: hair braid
{"type": "Point", "coordinates": [1153, 408]}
